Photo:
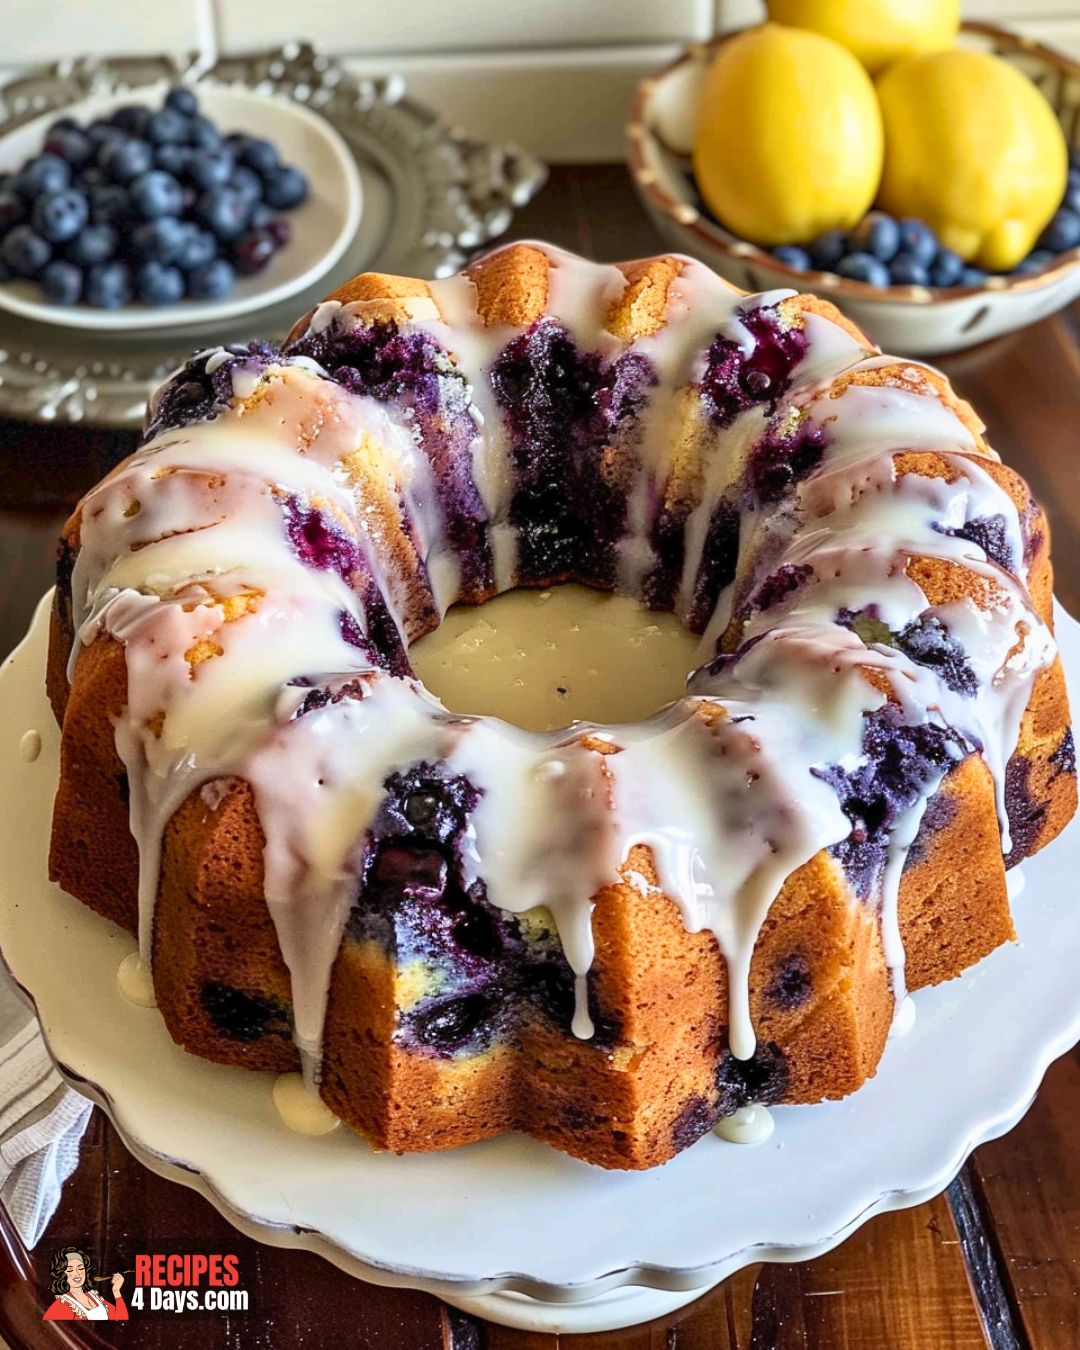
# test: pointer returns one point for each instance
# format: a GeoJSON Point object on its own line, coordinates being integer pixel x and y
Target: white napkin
{"type": "Point", "coordinates": [42, 1120]}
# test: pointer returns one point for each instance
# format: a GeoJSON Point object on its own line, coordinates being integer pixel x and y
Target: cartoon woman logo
{"type": "Point", "coordinates": [71, 1279]}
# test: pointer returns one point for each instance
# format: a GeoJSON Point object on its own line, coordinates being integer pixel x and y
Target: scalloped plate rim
{"type": "Point", "coordinates": [649, 1273]}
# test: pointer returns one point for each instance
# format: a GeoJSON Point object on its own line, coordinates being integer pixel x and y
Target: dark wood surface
{"type": "Point", "coordinates": [995, 1261]}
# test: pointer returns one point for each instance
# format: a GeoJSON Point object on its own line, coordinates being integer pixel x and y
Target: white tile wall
{"type": "Point", "coordinates": [43, 30]}
{"type": "Point", "coordinates": [555, 75]}
{"type": "Point", "coordinates": [568, 109]}
{"type": "Point", "coordinates": [1063, 33]}
{"type": "Point", "coordinates": [1025, 14]}
{"type": "Point", "coordinates": [35, 31]}
{"type": "Point", "coordinates": [369, 27]}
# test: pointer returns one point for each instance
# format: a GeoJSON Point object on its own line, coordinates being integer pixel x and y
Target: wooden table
{"type": "Point", "coordinates": [994, 1261]}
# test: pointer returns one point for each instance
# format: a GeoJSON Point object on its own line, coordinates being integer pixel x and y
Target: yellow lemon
{"type": "Point", "coordinates": [878, 32]}
{"type": "Point", "coordinates": [788, 141]}
{"type": "Point", "coordinates": [974, 149]}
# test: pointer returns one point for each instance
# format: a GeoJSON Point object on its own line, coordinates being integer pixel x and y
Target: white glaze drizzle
{"type": "Point", "coordinates": [747, 1125]}
{"type": "Point", "coordinates": [720, 787]}
{"type": "Point", "coordinates": [905, 1016]}
{"type": "Point", "coordinates": [299, 1109]}
{"type": "Point", "coordinates": [135, 982]}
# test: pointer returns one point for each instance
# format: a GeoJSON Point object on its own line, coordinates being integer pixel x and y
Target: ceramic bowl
{"type": "Point", "coordinates": [322, 227]}
{"type": "Point", "coordinates": [910, 320]}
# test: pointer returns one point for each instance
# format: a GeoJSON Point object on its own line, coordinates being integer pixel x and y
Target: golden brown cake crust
{"type": "Point", "coordinates": [820, 991]}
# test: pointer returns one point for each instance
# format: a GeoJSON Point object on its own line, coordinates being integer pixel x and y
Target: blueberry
{"type": "Point", "coordinates": [90, 176]}
{"type": "Point", "coordinates": [793, 256]}
{"type": "Point", "coordinates": [102, 133]}
{"type": "Point", "coordinates": [877, 234]}
{"type": "Point", "coordinates": [1037, 261]}
{"type": "Point", "coordinates": [182, 101]}
{"type": "Point", "coordinates": [5, 271]}
{"type": "Point", "coordinates": [1062, 233]}
{"type": "Point", "coordinates": [792, 983]}
{"type": "Point", "coordinates": [202, 134]}
{"type": "Point", "coordinates": [212, 281]}
{"type": "Point", "coordinates": [132, 118]}
{"type": "Point", "coordinates": [449, 1024]}
{"type": "Point", "coordinates": [224, 211]}
{"type": "Point", "coordinates": [828, 248]}
{"type": "Point", "coordinates": [63, 124]}
{"type": "Point", "coordinates": [24, 251]}
{"type": "Point", "coordinates": [45, 173]}
{"type": "Point", "coordinates": [156, 194]}
{"type": "Point", "coordinates": [864, 267]}
{"type": "Point", "coordinates": [918, 239]}
{"type": "Point", "coordinates": [197, 249]}
{"type": "Point", "coordinates": [262, 216]}
{"type": "Point", "coordinates": [420, 808]}
{"type": "Point", "coordinates": [210, 168]}
{"type": "Point", "coordinates": [248, 182]}
{"type": "Point", "coordinates": [71, 145]}
{"type": "Point", "coordinates": [157, 284]}
{"type": "Point", "coordinates": [243, 1017]}
{"type": "Point", "coordinates": [167, 127]}
{"type": "Point", "coordinates": [61, 216]}
{"type": "Point", "coordinates": [1074, 156]}
{"type": "Point", "coordinates": [907, 270]}
{"type": "Point", "coordinates": [108, 285]}
{"type": "Point", "coordinates": [285, 189]}
{"type": "Point", "coordinates": [762, 1078]}
{"type": "Point", "coordinates": [125, 160]}
{"type": "Point", "coordinates": [1072, 197]}
{"type": "Point", "coordinates": [253, 251]}
{"type": "Point", "coordinates": [62, 282]}
{"type": "Point", "coordinates": [173, 159]}
{"type": "Point", "coordinates": [401, 870]}
{"type": "Point", "coordinates": [280, 230]}
{"type": "Point", "coordinates": [159, 240]}
{"type": "Point", "coordinates": [946, 269]}
{"type": "Point", "coordinates": [109, 205]}
{"type": "Point", "coordinates": [972, 276]}
{"type": "Point", "coordinates": [12, 210]}
{"type": "Point", "coordinates": [260, 155]}
{"type": "Point", "coordinates": [94, 244]}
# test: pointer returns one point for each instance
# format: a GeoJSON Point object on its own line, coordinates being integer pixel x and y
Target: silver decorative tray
{"type": "Point", "coordinates": [431, 197]}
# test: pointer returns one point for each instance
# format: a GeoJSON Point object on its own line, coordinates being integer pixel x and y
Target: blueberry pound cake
{"type": "Point", "coordinates": [608, 937]}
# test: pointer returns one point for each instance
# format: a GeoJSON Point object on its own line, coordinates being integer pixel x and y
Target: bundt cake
{"type": "Point", "coordinates": [608, 937]}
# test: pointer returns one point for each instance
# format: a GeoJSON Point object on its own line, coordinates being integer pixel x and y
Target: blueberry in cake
{"type": "Point", "coordinates": [610, 936]}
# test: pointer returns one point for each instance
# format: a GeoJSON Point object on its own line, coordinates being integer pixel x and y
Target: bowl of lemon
{"type": "Point", "coordinates": [922, 174]}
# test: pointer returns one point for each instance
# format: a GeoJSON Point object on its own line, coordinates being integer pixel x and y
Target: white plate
{"type": "Point", "coordinates": [321, 228]}
{"type": "Point", "coordinates": [483, 1225]}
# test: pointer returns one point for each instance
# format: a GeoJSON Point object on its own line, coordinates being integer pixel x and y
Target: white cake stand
{"type": "Point", "coordinates": [510, 1229]}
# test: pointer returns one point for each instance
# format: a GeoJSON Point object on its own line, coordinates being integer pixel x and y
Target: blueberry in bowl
{"type": "Point", "coordinates": [889, 273]}
{"type": "Point", "coordinates": [153, 205]}
{"type": "Point", "coordinates": [884, 252]}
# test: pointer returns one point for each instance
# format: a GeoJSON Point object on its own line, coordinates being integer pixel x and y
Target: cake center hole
{"type": "Point", "coordinates": [544, 659]}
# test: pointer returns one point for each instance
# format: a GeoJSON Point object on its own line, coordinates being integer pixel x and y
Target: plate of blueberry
{"type": "Point", "coordinates": [170, 206]}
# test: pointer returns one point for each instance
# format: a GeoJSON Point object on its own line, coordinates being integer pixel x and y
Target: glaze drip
{"type": "Point", "coordinates": [294, 521]}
